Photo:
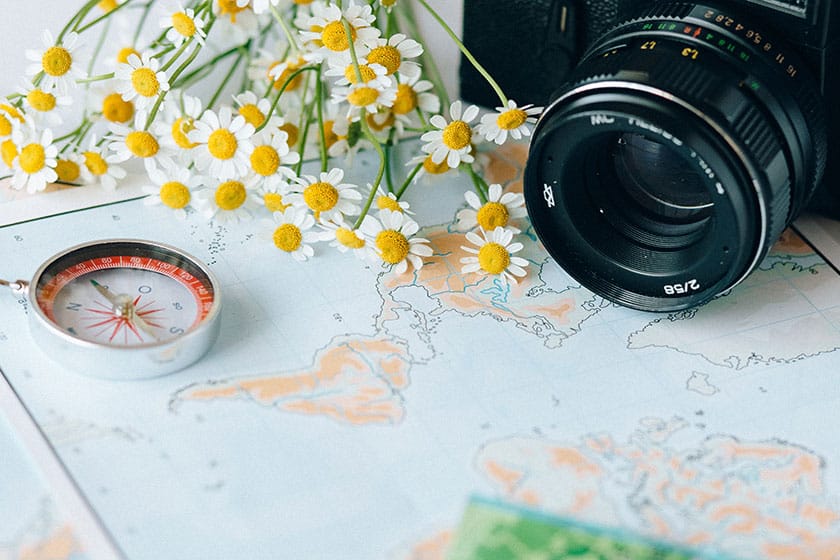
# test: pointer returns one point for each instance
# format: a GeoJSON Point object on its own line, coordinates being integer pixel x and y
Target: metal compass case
{"type": "Point", "coordinates": [679, 139]}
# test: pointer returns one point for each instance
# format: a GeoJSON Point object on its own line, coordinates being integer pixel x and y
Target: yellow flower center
{"type": "Point", "coordinates": [141, 143]}
{"type": "Point", "coordinates": [32, 158]}
{"type": "Point", "coordinates": [230, 195]}
{"type": "Point", "coordinates": [124, 53]}
{"type": "Point", "coordinates": [302, 2]}
{"type": "Point", "coordinates": [406, 100]}
{"type": "Point", "coordinates": [252, 114]}
{"type": "Point", "coordinates": [5, 126]}
{"type": "Point", "coordinates": [380, 121]}
{"type": "Point", "coordinates": [393, 246]}
{"type": "Point", "coordinates": [433, 168]}
{"type": "Point", "coordinates": [330, 137]}
{"type": "Point", "coordinates": [5, 123]}
{"type": "Point", "coordinates": [320, 197]}
{"type": "Point", "coordinates": [9, 152]}
{"type": "Point", "coordinates": [457, 135]}
{"type": "Point", "coordinates": [41, 100]}
{"type": "Point", "coordinates": [389, 3]}
{"type": "Point", "coordinates": [493, 258]}
{"type": "Point", "coordinates": [384, 202]}
{"type": "Point", "coordinates": [363, 96]}
{"type": "Point", "coordinates": [230, 7]}
{"type": "Point", "coordinates": [174, 194]}
{"type": "Point", "coordinates": [265, 160]}
{"type": "Point", "coordinates": [116, 109]}
{"type": "Point", "coordinates": [492, 215]}
{"type": "Point", "coordinates": [511, 119]}
{"type": "Point", "coordinates": [107, 5]}
{"type": "Point", "coordinates": [386, 55]}
{"type": "Point", "coordinates": [56, 61]}
{"type": "Point", "coordinates": [366, 71]}
{"type": "Point", "coordinates": [291, 66]}
{"type": "Point", "coordinates": [145, 82]}
{"type": "Point", "coordinates": [180, 128]}
{"type": "Point", "coordinates": [349, 239]}
{"type": "Point", "coordinates": [95, 163]}
{"type": "Point", "coordinates": [274, 202]}
{"type": "Point", "coordinates": [288, 237]}
{"type": "Point", "coordinates": [335, 38]}
{"type": "Point", "coordinates": [292, 132]}
{"type": "Point", "coordinates": [183, 24]}
{"type": "Point", "coordinates": [67, 170]}
{"type": "Point", "coordinates": [222, 144]}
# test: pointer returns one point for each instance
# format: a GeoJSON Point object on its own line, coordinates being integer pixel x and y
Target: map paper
{"type": "Point", "coordinates": [348, 412]}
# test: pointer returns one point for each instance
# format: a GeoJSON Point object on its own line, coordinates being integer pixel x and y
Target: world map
{"type": "Point", "coordinates": [350, 412]}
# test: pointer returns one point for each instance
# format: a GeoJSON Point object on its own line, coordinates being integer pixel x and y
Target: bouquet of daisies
{"type": "Point", "coordinates": [218, 103]}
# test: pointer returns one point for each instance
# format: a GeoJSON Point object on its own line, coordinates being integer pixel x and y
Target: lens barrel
{"type": "Point", "coordinates": [685, 143]}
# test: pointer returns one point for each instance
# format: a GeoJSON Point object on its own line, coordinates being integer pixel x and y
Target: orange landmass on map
{"type": "Point", "coordinates": [61, 545]}
{"type": "Point", "coordinates": [432, 548]}
{"type": "Point", "coordinates": [353, 380]}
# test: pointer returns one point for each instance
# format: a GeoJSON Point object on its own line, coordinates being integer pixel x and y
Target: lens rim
{"type": "Point", "coordinates": [730, 244]}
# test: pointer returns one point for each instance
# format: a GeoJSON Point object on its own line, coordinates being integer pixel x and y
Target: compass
{"type": "Point", "coordinates": [123, 308]}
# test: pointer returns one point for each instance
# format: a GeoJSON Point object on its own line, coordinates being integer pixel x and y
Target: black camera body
{"type": "Point", "coordinates": [679, 139]}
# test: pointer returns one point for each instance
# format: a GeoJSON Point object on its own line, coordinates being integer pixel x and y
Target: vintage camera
{"type": "Point", "coordinates": [679, 140]}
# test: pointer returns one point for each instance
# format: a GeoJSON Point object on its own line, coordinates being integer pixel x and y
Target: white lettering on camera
{"type": "Point", "coordinates": [682, 288]}
{"type": "Point", "coordinates": [597, 120]}
{"type": "Point", "coordinates": [548, 195]}
{"type": "Point", "coordinates": [654, 129]}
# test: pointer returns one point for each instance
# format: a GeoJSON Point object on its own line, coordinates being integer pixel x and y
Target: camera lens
{"type": "Point", "coordinates": [684, 144]}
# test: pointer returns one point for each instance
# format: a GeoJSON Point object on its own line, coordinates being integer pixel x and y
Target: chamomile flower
{"type": "Point", "coordinates": [59, 63]}
{"type": "Point", "coordinates": [326, 196]}
{"type": "Point", "coordinates": [278, 72]}
{"type": "Point", "coordinates": [100, 166]}
{"type": "Point", "coordinates": [364, 96]}
{"type": "Point", "coordinates": [140, 80]}
{"type": "Point", "coordinates": [343, 69]}
{"type": "Point", "coordinates": [452, 141]}
{"type": "Point", "coordinates": [271, 195]}
{"type": "Point", "coordinates": [511, 120]}
{"type": "Point", "coordinates": [114, 108]}
{"type": "Point", "coordinates": [230, 8]}
{"type": "Point", "coordinates": [293, 232]}
{"type": "Point", "coordinates": [181, 112]}
{"type": "Point", "coordinates": [394, 54]}
{"type": "Point", "coordinates": [271, 157]}
{"type": "Point", "coordinates": [135, 142]}
{"type": "Point", "coordinates": [225, 142]}
{"type": "Point", "coordinates": [344, 238]}
{"type": "Point", "coordinates": [44, 105]}
{"type": "Point", "coordinates": [498, 211]}
{"type": "Point", "coordinates": [429, 171]}
{"type": "Point", "coordinates": [388, 201]}
{"type": "Point", "coordinates": [34, 166]}
{"type": "Point", "coordinates": [494, 254]}
{"type": "Point", "coordinates": [225, 200]}
{"type": "Point", "coordinates": [172, 187]}
{"type": "Point", "coordinates": [324, 29]}
{"type": "Point", "coordinates": [10, 118]}
{"type": "Point", "coordinates": [254, 109]}
{"type": "Point", "coordinates": [182, 24]}
{"type": "Point", "coordinates": [68, 167]}
{"type": "Point", "coordinates": [393, 240]}
{"type": "Point", "coordinates": [388, 4]}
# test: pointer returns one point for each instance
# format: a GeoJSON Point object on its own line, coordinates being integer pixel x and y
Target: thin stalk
{"type": "Point", "coordinates": [479, 183]}
{"type": "Point", "coordinates": [380, 173]}
{"type": "Point", "coordinates": [429, 64]}
{"type": "Point", "coordinates": [80, 15]}
{"type": "Point", "coordinates": [233, 68]}
{"type": "Point", "coordinates": [140, 23]}
{"type": "Point", "coordinates": [409, 179]}
{"type": "Point", "coordinates": [101, 18]}
{"type": "Point", "coordinates": [282, 89]}
{"type": "Point", "coordinates": [319, 100]}
{"type": "Point", "coordinates": [290, 37]}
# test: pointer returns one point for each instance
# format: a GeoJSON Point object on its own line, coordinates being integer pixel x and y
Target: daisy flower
{"type": "Point", "coordinates": [225, 142]}
{"type": "Point", "coordinates": [225, 201]}
{"type": "Point", "coordinates": [270, 195]}
{"type": "Point", "coordinates": [277, 71]}
{"type": "Point", "coordinates": [271, 157]}
{"type": "Point", "coordinates": [43, 105]}
{"type": "Point", "coordinates": [344, 238]}
{"type": "Point", "coordinates": [498, 211]}
{"type": "Point", "coordinates": [230, 8]}
{"type": "Point", "coordinates": [452, 141]}
{"type": "Point", "coordinates": [494, 254]}
{"type": "Point", "coordinates": [393, 53]}
{"type": "Point", "coordinates": [254, 110]}
{"type": "Point", "coordinates": [324, 29]}
{"type": "Point", "coordinates": [182, 25]}
{"type": "Point", "coordinates": [326, 196]}
{"type": "Point", "coordinates": [413, 94]}
{"type": "Point", "coordinates": [129, 142]}
{"type": "Point", "coordinates": [57, 63]}
{"type": "Point", "coordinates": [10, 118]}
{"type": "Point", "coordinates": [181, 111]}
{"type": "Point", "coordinates": [511, 120]}
{"type": "Point", "coordinates": [114, 108]}
{"type": "Point", "coordinates": [69, 167]}
{"type": "Point", "coordinates": [392, 239]}
{"type": "Point", "coordinates": [139, 80]}
{"type": "Point", "coordinates": [35, 163]}
{"type": "Point", "coordinates": [293, 232]}
{"type": "Point", "coordinates": [172, 187]}
{"type": "Point", "coordinates": [430, 171]}
{"type": "Point", "coordinates": [373, 75]}
{"type": "Point", "coordinates": [388, 4]}
{"type": "Point", "coordinates": [99, 166]}
{"type": "Point", "coordinates": [364, 96]}
{"type": "Point", "coordinates": [388, 201]}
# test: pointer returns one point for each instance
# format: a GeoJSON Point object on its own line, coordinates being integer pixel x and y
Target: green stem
{"type": "Point", "coordinates": [382, 162]}
{"type": "Point", "coordinates": [142, 21]}
{"type": "Point", "coordinates": [290, 37]}
{"type": "Point", "coordinates": [409, 179]}
{"type": "Point", "coordinates": [101, 18]}
{"type": "Point", "coordinates": [233, 68]}
{"type": "Point", "coordinates": [349, 33]}
{"type": "Point", "coordinates": [319, 100]}
{"type": "Point", "coordinates": [177, 55]}
{"type": "Point", "coordinates": [479, 183]}
{"type": "Point", "coordinates": [467, 54]}
{"type": "Point", "coordinates": [429, 65]}
{"type": "Point", "coordinates": [204, 67]}
{"type": "Point", "coordinates": [80, 15]}
{"type": "Point", "coordinates": [99, 78]}
{"type": "Point", "coordinates": [282, 89]}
